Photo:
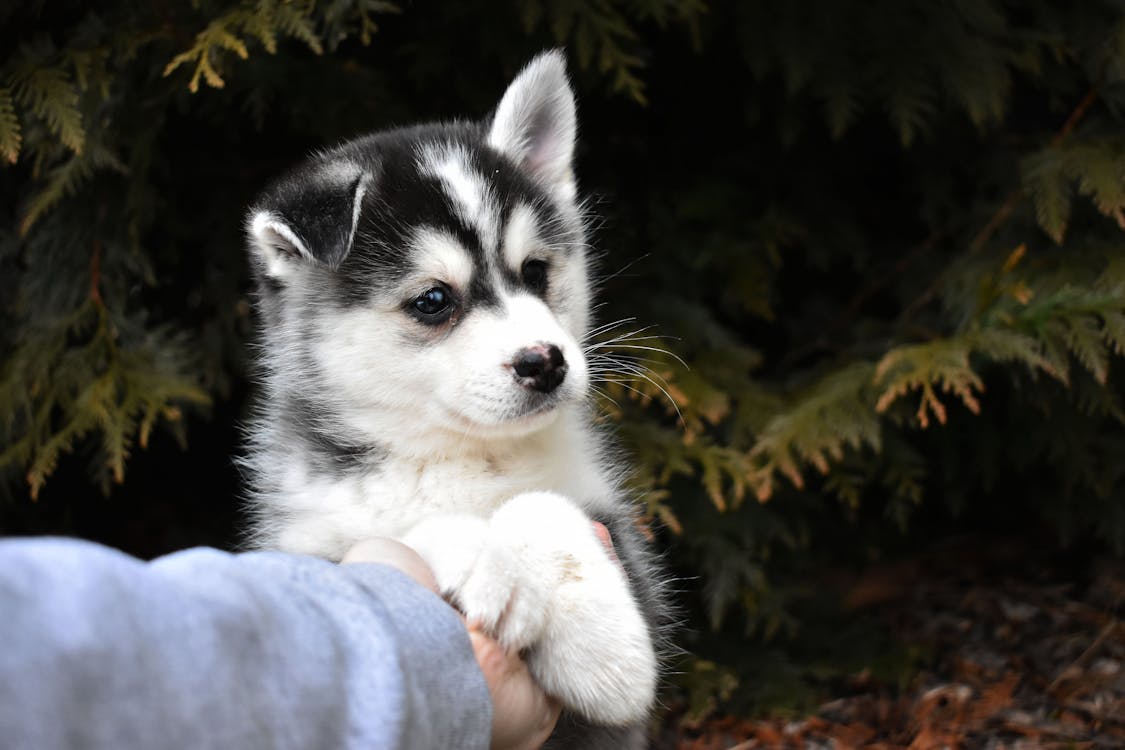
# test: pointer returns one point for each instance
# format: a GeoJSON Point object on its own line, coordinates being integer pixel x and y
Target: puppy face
{"type": "Point", "coordinates": [434, 277]}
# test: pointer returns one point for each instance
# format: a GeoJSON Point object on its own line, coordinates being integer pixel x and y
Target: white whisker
{"type": "Point", "coordinates": [641, 393]}
{"type": "Point", "coordinates": [606, 327]}
{"type": "Point", "coordinates": [654, 349]}
{"type": "Point", "coordinates": [625, 336]}
{"type": "Point", "coordinates": [603, 394]}
{"type": "Point", "coordinates": [657, 385]}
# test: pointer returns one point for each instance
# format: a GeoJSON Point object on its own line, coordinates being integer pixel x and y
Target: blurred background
{"type": "Point", "coordinates": [886, 239]}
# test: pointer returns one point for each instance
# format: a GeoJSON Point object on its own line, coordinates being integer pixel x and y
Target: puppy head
{"type": "Point", "coordinates": [434, 277]}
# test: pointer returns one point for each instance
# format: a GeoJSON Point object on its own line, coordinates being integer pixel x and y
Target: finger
{"type": "Point", "coordinates": [523, 715]}
{"type": "Point", "coordinates": [606, 540]}
{"type": "Point", "coordinates": [395, 554]}
{"type": "Point", "coordinates": [490, 656]}
{"type": "Point", "coordinates": [551, 710]}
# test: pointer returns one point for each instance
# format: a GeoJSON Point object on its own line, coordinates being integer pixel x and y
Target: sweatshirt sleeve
{"type": "Point", "coordinates": [203, 649]}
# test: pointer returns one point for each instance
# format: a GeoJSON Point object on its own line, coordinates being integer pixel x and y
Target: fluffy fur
{"type": "Point", "coordinates": [424, 301]}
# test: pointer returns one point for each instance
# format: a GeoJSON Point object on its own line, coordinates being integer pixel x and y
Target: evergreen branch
{"type": "Point", "coordinates": [263, 20]}
{"type": "Point", "coordinates": [295, 22]}
{"type": "Point", "coordinates": [842, 107]}
{"type": "Point", "coordinates": [115, 420]}
{"type": "Point", "coordinates": [910, 102]}
{"type": "Point", "coordinates": [10, 135]}
{"type": "Point", "coordinates": [48, 92]}
{"type": "Point", "coordinates": [721, 470]}
{"type": "Point", "coordinates": [64, 180]}
{"type": "Point", "coordinates": [1003, 212]}
{"type": "Point", "coordinates": [1099, 168]}
{"type": "Point", "coordinates": [981, 238]}
{"type": "Point", "coordinates": [597, 32]}
{"type": "Point", "coordinates": [95, 385]}
{"type": "Point", "coordinates": [1113, 327]}
{"type": "Point", "coordinates": [1076, 116]}
{"type": "Point", "coordinates": [1084, 338]}
{"type": "Point", "coordinates": [826, 338]}
{"type": "Point", "coordinates": [1080, 322]}
{"type": "Point", "coordinates": [921, 367]}
{"type": "Point", "coordinates": [343, 18]}
{"type": "Point", "coordinates": [997, 220]}
{"type": "Point", "coordinates": [661, 453]}
{"type": "Point", "coordinates": [89, 67]}
{"type": "Point", "coordinates": [833, 414]}
{"type": "Point", "coordinates": [96, 273]}
{"type": "Point", "coordinates": [261, 27]}
{"type": "Point", "coordinates": [1096, 166]}
{"type": "Point", "coordinates": [1009, 346]}
{"type": "Point", "coordinates": [216, 35]}
{"type": "Point", "coordinates": [47, 454]}
{"type": "Point", "coordinates": [1051, 193]}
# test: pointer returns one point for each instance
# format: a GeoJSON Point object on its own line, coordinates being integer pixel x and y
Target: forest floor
{"type": "Point", "coordinates": [1020, 660]}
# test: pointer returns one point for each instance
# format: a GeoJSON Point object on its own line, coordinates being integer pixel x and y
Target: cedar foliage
{"type": "Point", "coordinates": [885, 238]}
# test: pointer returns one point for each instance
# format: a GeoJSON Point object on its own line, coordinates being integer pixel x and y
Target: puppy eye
{"type": "Point", "coordinates": [433, 305]}
{"type": "Point", "coordinates": [535, 274]}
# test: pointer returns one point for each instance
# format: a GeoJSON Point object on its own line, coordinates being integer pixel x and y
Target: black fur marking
{"type": "Point", "coordinates": [482, 293]}
{"type": "Point", "coordinates": [555, 238]}
{"type": "Point", "coordinates": [327, 452]}
{"type": "Point", "coordinates": [398, 200]}
{"type": "Point", "coordinates": [317, 203]}
{"type": "Point", "coordinates": [270, 286]}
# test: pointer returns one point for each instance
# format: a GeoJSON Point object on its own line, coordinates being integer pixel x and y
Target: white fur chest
{"type": "Point", "coordinates": [408, 490]}
{"type": "Point", "coordinates": [324, 515]}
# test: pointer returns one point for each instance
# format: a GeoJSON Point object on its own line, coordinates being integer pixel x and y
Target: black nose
{"type": "Point", "coordinates": [540, 367]}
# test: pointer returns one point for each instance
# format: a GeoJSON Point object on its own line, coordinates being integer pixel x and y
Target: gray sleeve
{"type": "Point", "coordinates": [204, 649]}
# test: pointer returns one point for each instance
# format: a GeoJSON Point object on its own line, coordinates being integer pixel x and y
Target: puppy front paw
{"type": "Point", "coordinates": [537, 578]}
{"type": "Point", "coordinates": [509, 591]}
{"type": "Point", "coordinates": [592, 648]}
{"type": "Point", "coordinates": [498, 580]}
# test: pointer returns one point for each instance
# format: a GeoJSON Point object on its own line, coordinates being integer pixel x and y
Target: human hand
{"type": "Point", "coordinates": [394, 553]}
{"type": "Point", "coordinates": [523, 716]}
{"type": "Point", "coordinates": [528, 715]}
{"type": "Point", "coordinates": [539, 576]}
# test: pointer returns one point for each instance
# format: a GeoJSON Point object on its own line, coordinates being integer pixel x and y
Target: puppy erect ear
{"type": "Point", "coordinates": [535, 123]}
{"type": "Point", "coordinates": [308, 217]}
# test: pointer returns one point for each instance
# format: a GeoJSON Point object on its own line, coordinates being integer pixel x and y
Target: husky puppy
{"type": "Point", "coordinates": [424, 298]}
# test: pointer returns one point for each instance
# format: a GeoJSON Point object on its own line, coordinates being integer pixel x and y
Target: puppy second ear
{"type": "Point", "coordinates": [309, 216]}
{"type": "Point", "coordinates": [535, 123]}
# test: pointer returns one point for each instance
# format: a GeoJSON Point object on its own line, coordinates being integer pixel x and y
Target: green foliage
{"type": "Point", "coordinates": [979, 361]}
{"type": "Point", "coordinates": [10, 138]}
{"type": "Point", "coordinates": [68, 119]}
{"type": "Point", "coordinates": [816, 427]}
{"type": "Point", "coordinates": [65, 177]}
{"type": "Point", "coordinates": [1094, 167]}
{"type": "Point", "coordinates": [601, 33]}
{"type": "Point", "coordinates": [73, 377]}
{"type": "Point", "coordinates": [264, 20]}
{"type": "Point", "coordinates": [883, 244]}
{"type": "Point", "coordinates": [49, 94]}
{"type": "Point", "coordinates": [908, 60]}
